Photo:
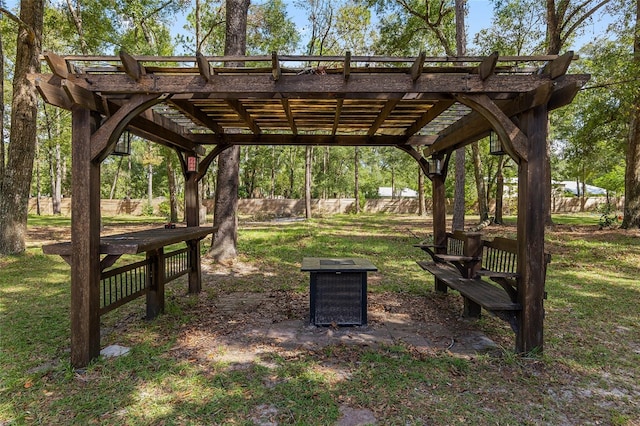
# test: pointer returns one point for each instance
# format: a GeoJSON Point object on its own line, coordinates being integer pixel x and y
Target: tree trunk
{"type": "Point", "coordinates": [76, 16]}
{"type": "Point", "coordinates": [173, 192]}
{"type": "Point", "coordinates": [422, 204]}
{"type": "Point", "coordinates": [150, 185]}
{"type": "Point", "coordinates": [458, 193]}
{"type": "Point", "coordinates": [292, 170]}
{"type": "Point", "coordinates": [499, 190]}
{"type": "Point", "coordinates": [459, 190]}
{"type": "Point", "coordinates": [14, 193]}
{"type": "Point", "coordinates": [483, 208]}
{"type": "Point", "coordinates": [115, 180]}
{"type": "Point", "coordinates": [632, 171]}
{"type": "Point", "coordinates": [308, 157]}
{"type": "Point", "coordinates": [356, 172]}
{"type": "Point", "coordinates": [2, 153]}
{"type": "Point", "coordinates": [224, 244]}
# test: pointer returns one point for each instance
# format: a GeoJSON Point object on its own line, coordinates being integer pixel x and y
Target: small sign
{"type": "Point", "coordinates": [192, 164]}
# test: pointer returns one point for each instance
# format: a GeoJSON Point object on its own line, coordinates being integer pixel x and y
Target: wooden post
{"type": "Point", "coordinates": [472, 248]}
{"type": "Point", "coordinates": [531, 229]}
{"type": "Point", "coordinates": [85, 243]}
{"type": "Point", "coordinates": [155, 283]}
{"type": "Point", "coordinates": [192, 213]}
{"type": "Point", "coordinates": [439, 221]}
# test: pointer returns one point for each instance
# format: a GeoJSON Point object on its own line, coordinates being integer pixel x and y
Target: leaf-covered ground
{"type": "Point", "coordinates": [241, 352]}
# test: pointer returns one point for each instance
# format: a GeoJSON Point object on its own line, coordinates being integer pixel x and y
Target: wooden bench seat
{"type": "Point", "coordinates": [476, 292]}
{"type": "Point", "coordinates": [484, 272]}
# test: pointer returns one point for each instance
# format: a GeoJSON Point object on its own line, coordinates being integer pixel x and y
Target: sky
{"type": "Point", "coordinates": [479, 17]}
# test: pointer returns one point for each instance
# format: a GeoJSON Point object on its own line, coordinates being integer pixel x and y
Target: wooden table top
{"type": "Point", "coordinates": [327, 264]}
{"type": "Point", "coordinates": [138, 241]}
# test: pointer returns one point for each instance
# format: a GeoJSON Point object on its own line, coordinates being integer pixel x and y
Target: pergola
{"type": "Point", "coordinates": [425, 106]}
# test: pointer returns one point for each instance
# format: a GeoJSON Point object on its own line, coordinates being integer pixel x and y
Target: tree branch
{"type": "Point", "coordinates": [20, 22]}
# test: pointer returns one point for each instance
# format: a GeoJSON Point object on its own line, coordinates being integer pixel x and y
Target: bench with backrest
{"type": "Point", "coordinates": [474, 270]}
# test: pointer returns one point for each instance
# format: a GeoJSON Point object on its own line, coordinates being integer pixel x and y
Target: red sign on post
{"type": "Point", "coordinates": [192, 164]}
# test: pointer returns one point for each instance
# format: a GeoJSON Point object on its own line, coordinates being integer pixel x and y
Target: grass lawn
{"type": "Point", "coordinates": [589, 372]}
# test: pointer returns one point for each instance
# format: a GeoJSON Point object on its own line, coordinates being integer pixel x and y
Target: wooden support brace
{"type": "Point", "coordinates": [488, 66]}
{"type": "Point", "coordinates": [514, 141]}
{"type": "Point", "coordinates": [276, 72]}
{"type": "Point", "coordinates": [559, 66]}
{"type": "Point", "coordinates": [418, 65]}
{"type": "Point", "coordinates": [108, 261]}
{"type": "Point", "coordinates": [347, 65]}
{"type": "Point", "coordinates": [53, 94]}
{"type": "Point", "coordinates": [203, 67]}
{"type": "Point", "coordinates": [131, 66]}
{"type": "Point", "coordinates": [58, 64]}
{"type": "Point", "coordinates": [81, 96]}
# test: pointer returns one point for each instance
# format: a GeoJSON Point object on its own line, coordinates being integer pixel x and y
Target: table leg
{"type": "Point", "coordinates": [156, 279]}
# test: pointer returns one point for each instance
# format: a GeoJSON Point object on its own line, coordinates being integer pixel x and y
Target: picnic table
{"type": "Point", "coordinates": [120, 285]}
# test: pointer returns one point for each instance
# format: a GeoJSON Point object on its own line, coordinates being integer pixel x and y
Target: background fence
{"type": "Point", "coordinates": [294, 207]}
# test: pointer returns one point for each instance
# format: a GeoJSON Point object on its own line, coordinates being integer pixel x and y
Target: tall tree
{"type": "Point", "coordinates": [564, 19]}
{"type": "Point", "coordinates": [2, 154]}
{"type": "Point", "coordinates": [458, 196]}
{"type": "Point", "coordinates": [16, 182]}
{"type": "Point", "coordinates": [632, 172]}
{"type": "Point", "coordinates": [224, 244]}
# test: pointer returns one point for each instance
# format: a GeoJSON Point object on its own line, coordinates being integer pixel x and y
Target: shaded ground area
{"type": "Point", "coordinates": [251, 321]}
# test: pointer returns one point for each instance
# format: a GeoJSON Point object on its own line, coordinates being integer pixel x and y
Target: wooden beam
{"type": "Point", "coordinates": [103, 140]}
{"type": "Point", "coordinates": [311, 139]}
{"type": "Point", "coordinates": [513, 140]}
{"type": "Point", "coordinates": [418, 65]}
{"type": "Point", "coordinates": [196, 114]}
{"type": "Point", "coordinates": [474, 126]}
{"type": "Point", "coordinates": [53, 94]}
{"type": "Point", "coordinates": [384, 114]}
{"type": "Point", "coordinates": [531, 229]}
{"type": "Point", "coordinates": [488, 66]}
{"type": "Point", "coordinates": [131, 66]}
{"type": "Point", "coordinates": [347, 65]}
{"type": "Point", "coordinates": [203, 67]}
{"type": "Point", "coordinates": [289, 114]}
{"type": "Point", "coordinates": [85, 243]}
{"type": "Point", "coordinates": [244, 115]}
{"type": "Point", "coordinates": [154, 127]}
{"type": "Point", "coordinates": [276, 72]}
{"type": "Point", "coordinates": [58, 64]}
{"type": "Point", "coordinates": [564, 93]}
{"type": "Point", "coordinates": [359, 86]}
{"type": "Point", "coordinates": [336, 119]}
{"type": "Point", "coordinates": [428, 116]}
{"type": "Point", "coordinates": [81, 96]}
{"type": "Point", "coordinates": [208, 159]}
{"type": "Point", "coordinates": [559, 66]}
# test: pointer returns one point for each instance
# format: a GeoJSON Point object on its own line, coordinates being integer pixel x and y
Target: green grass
{"type": "Point", "coordinates": [588, 373]}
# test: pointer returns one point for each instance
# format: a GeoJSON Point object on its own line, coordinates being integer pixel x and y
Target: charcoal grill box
{"type": "Point", "coordinates": [337, 290]}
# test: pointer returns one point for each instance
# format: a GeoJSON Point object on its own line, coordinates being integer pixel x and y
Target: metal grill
{"type": "Point", "coordinates": [121, 285]}
{"type": "Point", "coordinates": [339, 298]}
{"type": "Point", "coordinates": [176, 264]}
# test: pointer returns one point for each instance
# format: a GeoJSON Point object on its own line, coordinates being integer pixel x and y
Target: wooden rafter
{"type": "Point", "coordinates": [289, 115]}
{"type": "Point", "coordinates": [244, 115]}
{"type": "Point", "coordinates": [196, 114]}
{"type": "Point", "coordinates": [336, 120]}
{"type": "Point", "coordinates": [386, 111]}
